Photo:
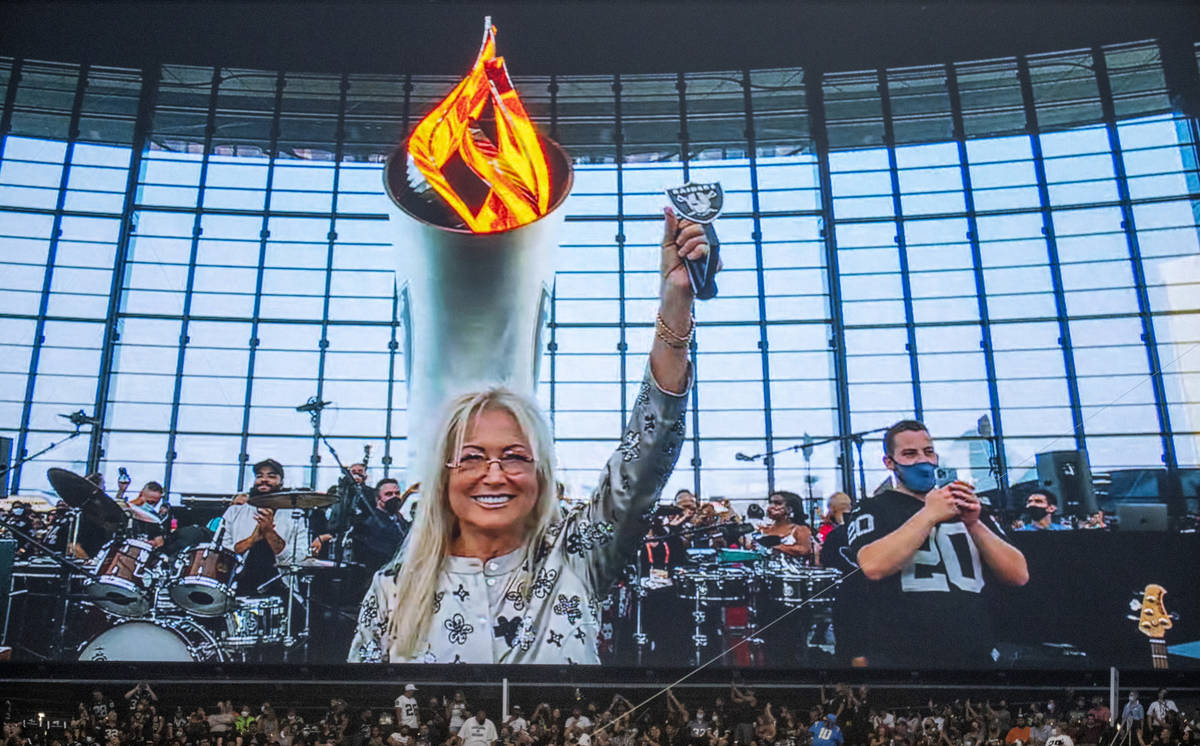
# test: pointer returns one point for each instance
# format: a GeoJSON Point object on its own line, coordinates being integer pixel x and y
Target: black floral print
{"type": "Point", "coordinates": [543, 584]}
{"type": "Point", "coordinates": [458, 628]}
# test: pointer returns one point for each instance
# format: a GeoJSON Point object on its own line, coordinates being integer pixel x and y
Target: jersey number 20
{"type": "Point", "coordinates": [947, 546]}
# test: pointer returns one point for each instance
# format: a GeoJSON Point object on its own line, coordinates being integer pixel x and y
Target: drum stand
{"type": "Point", "coordinates": [293, 578]}
{"type": "Point", "coordinates": [640, 639]}
{"type": "Point", "coordinates": [699, 616]}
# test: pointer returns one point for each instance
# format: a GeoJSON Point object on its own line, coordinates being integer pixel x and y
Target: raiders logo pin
{"type": "Point", "coordinates": [699, 203]}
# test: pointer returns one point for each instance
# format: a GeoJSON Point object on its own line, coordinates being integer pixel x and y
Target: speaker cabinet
{"type": "Point", "coordinates": [1068, 476]}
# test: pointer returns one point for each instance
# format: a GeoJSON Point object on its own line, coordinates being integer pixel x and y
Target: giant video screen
{"type": "Point", "coordinates": [668, 321]}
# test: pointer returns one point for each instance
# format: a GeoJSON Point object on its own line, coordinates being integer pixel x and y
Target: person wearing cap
{"type": "Point", "coordinates": [826, 732]}
{"type": "Point", "coordinates": [516, 720]}
{"type": "Point", "coordinates": [263, 537]}
{"type": "Point", "coordinates": [406, 707]}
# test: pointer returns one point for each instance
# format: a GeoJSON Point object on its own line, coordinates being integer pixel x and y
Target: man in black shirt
{"type": "Point", "coordinates": [930, 552]}
{"type": "Point", "coordinates": [379, 528]}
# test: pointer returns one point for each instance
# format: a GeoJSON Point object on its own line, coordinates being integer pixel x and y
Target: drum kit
{"type": "Point", "coordinates": [727, 589]}
{"type": "Point", "coordinates": [752, 580]}
{"type": "Point", "coordinates": [179, 606]}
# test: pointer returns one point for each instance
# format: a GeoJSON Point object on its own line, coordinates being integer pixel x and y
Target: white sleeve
{"type": "Point", "coordinates": [292, 530]}
{"type": "Point", "coordinates": [239, 524]}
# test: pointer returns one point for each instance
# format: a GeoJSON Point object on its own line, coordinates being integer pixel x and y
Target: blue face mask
{"type": "Point", "coordinates": [919, 477]}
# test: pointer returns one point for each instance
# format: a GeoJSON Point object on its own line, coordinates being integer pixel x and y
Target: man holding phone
{"type": "Point", "coordinates": [929, 553]}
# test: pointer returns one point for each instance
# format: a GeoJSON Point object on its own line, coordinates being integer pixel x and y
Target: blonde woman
{"type": "Point", "coordinates": [492, 572]}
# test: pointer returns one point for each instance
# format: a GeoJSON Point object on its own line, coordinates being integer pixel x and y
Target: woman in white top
{"type": "Point", "coordinates": [492, 572]}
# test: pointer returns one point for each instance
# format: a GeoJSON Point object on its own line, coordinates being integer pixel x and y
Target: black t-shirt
{"type": "Point", "coordinates": [91, 537]}
{"type": "Point", "coordinates": [835, 552]}
{"type": "Point", "coordinates": [934, 611]}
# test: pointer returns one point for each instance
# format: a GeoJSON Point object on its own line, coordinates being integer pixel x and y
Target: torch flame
{"type": "Point", "coordinates": [513, 168]}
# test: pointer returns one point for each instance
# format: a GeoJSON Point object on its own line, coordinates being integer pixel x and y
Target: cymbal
{"type": "Point", "coordinates": [302, 499]}
{"type": "Point", "coordinates": [138, 513]}
{"type": "Point", "coordinates": [312, 564]}
{"type": "Point", "coordinates": [90, 499]}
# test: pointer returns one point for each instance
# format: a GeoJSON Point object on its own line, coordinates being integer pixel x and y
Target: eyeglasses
{"type": "Point", "coordinates": [476, 464]}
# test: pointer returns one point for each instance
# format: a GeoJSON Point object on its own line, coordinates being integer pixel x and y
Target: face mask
{"type": "Point", "coordinates": [918, 477]}
{"type": "Point", "coordinates": [245, 713]}
{"type": "Point", "coordinates": [1036, 512]}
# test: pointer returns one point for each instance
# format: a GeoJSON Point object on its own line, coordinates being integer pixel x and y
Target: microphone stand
{"type": "Point", "coordinates": [16, 465]}
{"type": "Point", "coordinates": [856, 438]}
{"type": "Point", "coordinates": [347, 511]}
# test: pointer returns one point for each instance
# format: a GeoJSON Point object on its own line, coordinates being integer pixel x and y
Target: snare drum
{"type": "Point", "coordinates": [203, 580]}
{"type": "Point", "coordinates": [802, 586]}
{"type": "Point", "coordinates": [167, 640]}
{"type": "Point", "coordinates": [122, 583]}
{"type": "Point", "coordinates": [255, 621]}
{"type": "Point", "coordinates": [728, 585]}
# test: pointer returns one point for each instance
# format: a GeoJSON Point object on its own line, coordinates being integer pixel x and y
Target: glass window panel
{"type": "Point", "coordinates": [233, 256]}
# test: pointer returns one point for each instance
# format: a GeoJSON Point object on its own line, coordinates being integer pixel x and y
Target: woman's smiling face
{"type": "Point", "coordinates": [494, 489]}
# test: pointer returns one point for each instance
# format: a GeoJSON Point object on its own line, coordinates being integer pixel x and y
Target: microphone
{"type": "Point", "coordinates": [313, 405]}
{"type": "Point", "coordinates": [743, 457]}
{"type": "Point", "coordinates": [78, 418]}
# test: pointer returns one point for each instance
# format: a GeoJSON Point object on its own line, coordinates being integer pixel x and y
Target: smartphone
{"type": "Point", "coordinates": [944, 475]}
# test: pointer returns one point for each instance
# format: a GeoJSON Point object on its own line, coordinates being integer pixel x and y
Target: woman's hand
{"type": "Point", "coordinates": [682, 239]}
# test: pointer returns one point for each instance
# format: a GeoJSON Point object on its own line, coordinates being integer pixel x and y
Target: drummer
{"type": "Point", "coordinates": [150, 498]}
{"type": "Point", "coordinates": [785, 511]}
{"type": "Point", "coordinates": [266, 539]}
{"type": "Point", "coordinates": [148, 509]}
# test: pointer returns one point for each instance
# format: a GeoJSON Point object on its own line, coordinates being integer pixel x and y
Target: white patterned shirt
{"type": "Point", "coordinates": [487, 613]}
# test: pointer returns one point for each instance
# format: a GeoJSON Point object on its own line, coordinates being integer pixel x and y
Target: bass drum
{"type": "Point", "coordinates": [165, 640]}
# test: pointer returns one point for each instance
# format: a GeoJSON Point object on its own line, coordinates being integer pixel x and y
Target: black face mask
{"type": "Point", "coordinates": [392, 506]}
{"type": "Point", "coordinates": [1036, 512]}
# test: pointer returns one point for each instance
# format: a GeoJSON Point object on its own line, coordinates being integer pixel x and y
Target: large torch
{"type": "Point", "coordinates": [474, 196]}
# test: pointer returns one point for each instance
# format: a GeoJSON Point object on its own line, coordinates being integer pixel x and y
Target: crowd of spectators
{"type": "Point", "coordinates": [734, 717]}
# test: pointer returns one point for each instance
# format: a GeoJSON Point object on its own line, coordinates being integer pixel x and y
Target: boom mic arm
{"type": "Point", "coordinates": [79, 418]}
{"type": "Point", "coordinates": [313, 404]}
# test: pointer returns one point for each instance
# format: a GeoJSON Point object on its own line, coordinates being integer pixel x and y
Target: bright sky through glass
{"type": "Point", "coordinates": [316, 273]}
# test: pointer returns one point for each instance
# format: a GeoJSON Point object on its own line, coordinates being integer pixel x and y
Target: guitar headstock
{"type": "Point", "coordinates": [1153, 620]}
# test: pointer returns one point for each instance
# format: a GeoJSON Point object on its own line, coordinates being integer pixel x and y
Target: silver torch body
{"type": "Point", "coordinates": [475, 305]}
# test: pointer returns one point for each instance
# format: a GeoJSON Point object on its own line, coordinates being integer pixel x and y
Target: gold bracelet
{"type": "Point", "coordinates": [670, 336]}
{"type": "Point", "coordinates": [670, 342]}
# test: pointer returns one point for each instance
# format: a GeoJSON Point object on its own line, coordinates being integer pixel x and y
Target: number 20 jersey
{"type": "Point", "coordinates": [934, 611]}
